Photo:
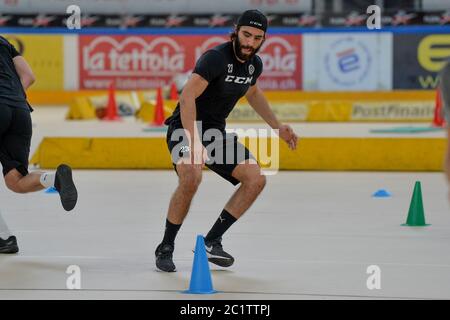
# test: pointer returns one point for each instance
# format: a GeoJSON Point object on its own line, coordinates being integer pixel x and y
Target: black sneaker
{"type": "Point", "coordinates": [216, 255]}
{"type": "Point", "coordinates": [9, 245]}
{"type": "Point", "coordinates": [65, 186]}
{"type": "Point", "coordinates": [163, 255]}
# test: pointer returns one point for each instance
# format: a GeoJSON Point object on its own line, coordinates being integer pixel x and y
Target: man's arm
{"type": "Point", "coordinates": [24, 71]}
{"type": "Point", "coordinates": [259, 103]}
{"type": "Point", "coordinates": [193, 89]}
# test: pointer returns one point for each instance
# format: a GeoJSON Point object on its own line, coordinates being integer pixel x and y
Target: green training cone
{"type": "Point", "coordinates": [416, 215]}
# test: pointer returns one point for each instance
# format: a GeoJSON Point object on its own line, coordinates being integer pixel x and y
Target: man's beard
{"type": "Point", "coordinates": [238, 50]}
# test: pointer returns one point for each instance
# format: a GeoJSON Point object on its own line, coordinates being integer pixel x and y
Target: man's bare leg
{"type": "Point", "coordinates": [35, 181]}
{"type": "Point", "coordinates": [252, 183]}
{"type": "Point", "coordinates": [188, 181]}
{"type": "Point", "coordinates": [18, 183]}
{"type": "Point", "coordinates": [189, 178]}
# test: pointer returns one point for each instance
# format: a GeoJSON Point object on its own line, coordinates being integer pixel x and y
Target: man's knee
{"type": "Point", "coordinates": [256, 182]}
{"type": "Point", "coordinates": [12, 183]}
{"type": "Point", "coordinates": [190, 179]}
{"type": "Point", "coordinates": [260, 182]}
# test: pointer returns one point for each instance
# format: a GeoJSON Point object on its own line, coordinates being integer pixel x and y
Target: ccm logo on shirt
{"type": "Point", "coordinates": [240, 80]}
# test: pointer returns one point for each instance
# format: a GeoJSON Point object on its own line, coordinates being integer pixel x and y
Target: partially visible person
{"type": "Point", "coordinates": [16, 77]}
{"type": "Point", "coordinates": [444, 87]}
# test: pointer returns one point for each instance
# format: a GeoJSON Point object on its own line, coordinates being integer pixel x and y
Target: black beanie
{"type": "Point", "coordinates": [253, 18]}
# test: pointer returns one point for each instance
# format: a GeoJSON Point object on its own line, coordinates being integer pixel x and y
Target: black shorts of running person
{"type": "Point", "coordinates": [15, 138]}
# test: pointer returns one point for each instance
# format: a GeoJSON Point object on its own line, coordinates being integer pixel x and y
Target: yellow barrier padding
{"type": "Point", "coordinates": [93, 106]}
{"type": "Point", "coordinates": [61, 97]}
{"type": "Point", "coordinates": [81, 108]}
{"type": "Point", "coordinates": [371, 154]}
{"type": "Point", "coordinates": [150, 95]}
{"type": "Point", "coordinates": [284, 110]}
{"type": "Point", "coordinates": [147, 110]}
{"type": "Point", "coordinates": [102, 153]}
{"type": "Point", "coordinates": [293, 106]}
{"type": "Point", "coordinates": [408, 110]}
{"type": "Point", "coordinates": [400, 95]}
{"type": "Point", "coordinates": [58, 98]}
{"type": "Point", "coordinates": [329, 111]}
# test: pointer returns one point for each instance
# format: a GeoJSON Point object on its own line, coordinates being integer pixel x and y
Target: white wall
{"type": "Point", "coordinates": [436, 4]}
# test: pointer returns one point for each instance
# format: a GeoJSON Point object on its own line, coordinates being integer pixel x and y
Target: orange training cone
{"type": "Point", "coordinates": [438, 120]}
{"type": "Point", "coordinates": [159, 109]}
{"type": "Point", "coordinates": [111, 107]}
{"type": "Point", "coordinates": [173, 92]}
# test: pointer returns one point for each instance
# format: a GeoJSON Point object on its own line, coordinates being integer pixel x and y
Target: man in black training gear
{"type": "Point", "coordinates": [222, 76]}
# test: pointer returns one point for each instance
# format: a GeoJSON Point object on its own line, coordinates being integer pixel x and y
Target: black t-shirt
{"type": "Point", "coordinates": [11, 90]}
{"type": "Point", "coordinates": [228, 81]}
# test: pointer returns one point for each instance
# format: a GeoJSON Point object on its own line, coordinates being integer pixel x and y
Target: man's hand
{"type": "Point", "coordinates": [287, 134]}
{"type": "Point", "coordinates": [199, 154]}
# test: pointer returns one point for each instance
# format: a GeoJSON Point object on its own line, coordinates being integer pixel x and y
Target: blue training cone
{"type": "Point", "coordinates": [201, 282]}
{"type": "Point", "coordinates": [51, 190]}
{"type": "Point", "coordinates": [381, 194]}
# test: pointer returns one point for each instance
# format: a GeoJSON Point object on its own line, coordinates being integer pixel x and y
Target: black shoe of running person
{"type": "Point", "coordinates": [9, 245]}
{"type": "Point", "coordinates": [65, 186]}
{"type": "Point", "coordinates": [216, 254]}
{"type": "Point", "coordinates": [163, 255]}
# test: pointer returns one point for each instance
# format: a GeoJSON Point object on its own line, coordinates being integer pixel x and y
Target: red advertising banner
{"type": "Point", "coordinates": [144, 62]}
{"type": "Point", "coordinates": [133, 62]}
{"type": "Point", "coordinates": [282, 60]}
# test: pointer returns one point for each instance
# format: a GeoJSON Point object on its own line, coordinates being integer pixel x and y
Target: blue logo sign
{"type": "Point", "coordinates": [348, 62]}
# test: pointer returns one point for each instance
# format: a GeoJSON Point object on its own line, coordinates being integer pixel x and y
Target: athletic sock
{"type": "Point", "coordinates": [47, 179]}
{"type": "Point", "coordinates": [171, 232]}
{"type": "Point", "coordinates": [222, 224]}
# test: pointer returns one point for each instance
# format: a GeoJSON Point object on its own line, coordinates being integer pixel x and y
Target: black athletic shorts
{"type": "Point", "coordinates": [225, 152]}
{"type": "Point", "coordinates": [15, 138]}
